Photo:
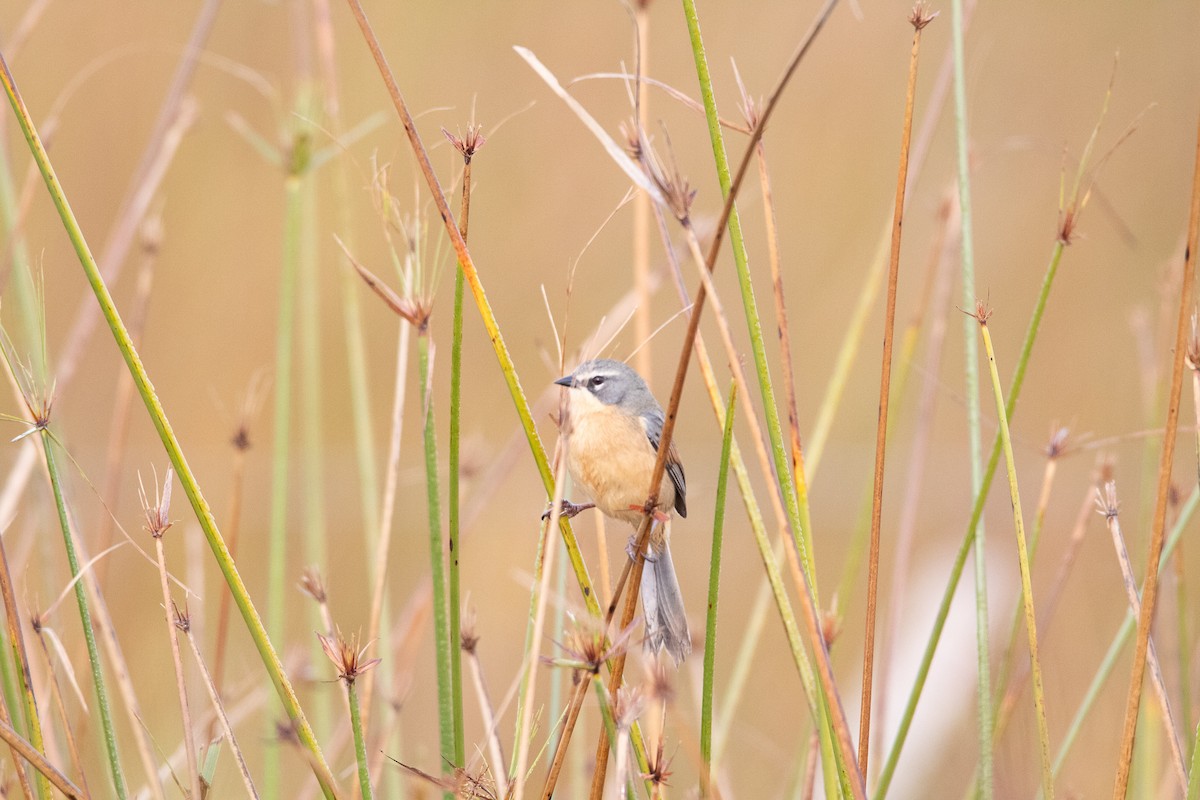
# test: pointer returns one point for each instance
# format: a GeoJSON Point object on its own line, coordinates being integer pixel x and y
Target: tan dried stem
{"type": "Point", "coordinates": [1108, 507]}
{"type": "Point", "coordinates": [919, 20]}
{"type": "Point", "coordinates": [1158, 529]}
{"type": "Point", "coordinates": [157, 512]}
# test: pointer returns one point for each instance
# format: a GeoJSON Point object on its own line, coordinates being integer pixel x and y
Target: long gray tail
{"type": "Point", "coordinates": [662, 601]}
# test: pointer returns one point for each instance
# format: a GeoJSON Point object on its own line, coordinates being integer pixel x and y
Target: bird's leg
{"type": "Point", "coordinates": [659, 514]}
{"type": "Point", "coordinates": [568, 509]}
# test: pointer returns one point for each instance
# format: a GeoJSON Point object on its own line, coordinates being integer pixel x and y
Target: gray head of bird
{"type": "Point", "coordinates": [613, 383]}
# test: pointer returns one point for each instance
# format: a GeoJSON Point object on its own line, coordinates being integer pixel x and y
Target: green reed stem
{"type": "Point", "coordinates": [285, 334]}
{"type": "Point", "coordinates": [437, 564]}
{"type": "Point", "coordinates": [162, 425]}
{"type": "Point", "coordinates": [85, 617]}
{"type": "Point", "coordinates": [360, 743]}
{"type": "Point", "coordinates": [1039, 695]}
{"type": "Point", "coordinates": [714, 583]}
{"type": "Point", "coordinates": [983, 695]}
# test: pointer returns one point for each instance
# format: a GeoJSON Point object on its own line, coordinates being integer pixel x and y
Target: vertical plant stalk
{"type": "Point", "coordinates": [237, 471]}
{"type": "Point", "coordinates": [1039, 698]}
{"type": "Point", "coordinates": [437, 557]}
{"type": "Point", "coordinates": [641, 201]}
{"type": "Point", "coordinates": [157, 522]}
{"type": "Point", "coordinates": [20, 656]}
{"type": "Point", "coordinates": [730, 218]}
{"type": "Point", "coordinates": [199, 505]}
{"type": "Point", "coordinates": [852, 780]}
{"type": "Point", "coordinates": [61, 707]}
{"type": "Point", "coordinates": [1106, 501]}
{"type": "Point", "coordinates": [356, 362]}
{"type": "Point", "coordinates": [348, 659]}
{"type": "Point", "coordinates": [470, 643]}
{"type": "Point", "coordinates": [714, 582]}
{"type": "Point", "coordinates": [1158, 530]}
{"type": "Point", "coordinates": [360, 745]}
{"type": "Point", "coordinates": [116, 771]}
{"type": "Point", "coordinates": [983, 695]}
{"type": "Point", "coordinates": [285, 335]}
{"type": "Point", "coordinates": [919, 19]}
{"type": "Point", "coordinates": [467, 148]}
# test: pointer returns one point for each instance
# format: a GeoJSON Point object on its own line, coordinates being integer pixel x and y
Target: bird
{"type": "Point", "coordinates": [613, 426]}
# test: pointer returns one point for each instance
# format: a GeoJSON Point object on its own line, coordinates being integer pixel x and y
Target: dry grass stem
{"type": "Point", "coordinates": [1108, 507]}
{"type": "Point", "coordinates": [920, 18]}
{"type": "Point", "coordinates": [157, 510]}
{"type": "Point", "coordinates": [1158, 530]}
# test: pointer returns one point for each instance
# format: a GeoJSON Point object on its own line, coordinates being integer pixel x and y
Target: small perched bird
{"type": "Point", "coordinates": [613, 425]}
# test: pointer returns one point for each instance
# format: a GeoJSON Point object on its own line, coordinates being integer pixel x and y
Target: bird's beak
{"type": "Point", "coordinates": [565, 381]}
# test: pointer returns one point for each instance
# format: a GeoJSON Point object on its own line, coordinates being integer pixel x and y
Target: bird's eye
{"type": "Point", "coordinates": [596, 382]}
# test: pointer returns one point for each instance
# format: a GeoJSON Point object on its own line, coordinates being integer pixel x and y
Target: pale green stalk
{"type": "Point", "coordinates": [106, 723]}
{"type": "Point", "coordinates": [360, 744]}
{"type": "Point", "coordinates": [714, 582]}
{"type": "Point", "coordinates": [285, 333]}
{"type": "Point", "coordinates": [1039, 698]}
{"type": "Point", "coordinates": [785, 477]}
{"type": "Point", "coordinates": [437, 561]}
{"type": "Point", "coordinates": [170, 443]}
{"type": "Point", "coordinates": [960, 559]}
{"type": "Point", "coordinates": [983, 695]}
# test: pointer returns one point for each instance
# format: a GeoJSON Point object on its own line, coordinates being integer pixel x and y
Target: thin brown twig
{"type": "Point", "coordinates": [122, 406]}
{"type": "Point", "coordinates": [218, 707]}
{"type": "Point", "coordinates": [157, 508]}
{"type": "Point", "coordinates": [1109, 508]}
{"type": "Point", "coordinates": [919, 19]}
{"type": "Point", "coordinates": [1158, 532]}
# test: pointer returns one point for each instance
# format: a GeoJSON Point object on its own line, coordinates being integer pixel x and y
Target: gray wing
{"type": "Point", "coordinates": [654, 424]}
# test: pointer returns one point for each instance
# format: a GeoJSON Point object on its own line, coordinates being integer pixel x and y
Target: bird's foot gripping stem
{"type": "Point", "coordinates": [568, 509]}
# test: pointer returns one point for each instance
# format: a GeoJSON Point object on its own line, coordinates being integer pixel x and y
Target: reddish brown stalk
{"type": "Point", "coordinates": [122, 405]}
{"type": "Point", "coordinates": [1150, 585]}
{"type": "Point", "coordinates": [919, 18]}
{"type": "Point", "coordinates": [20, 654]}
{"type": "Point", "coordinates": [241, 445]}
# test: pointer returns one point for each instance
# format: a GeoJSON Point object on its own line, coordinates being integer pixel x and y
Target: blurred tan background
{"type": "Point", "coordinates": [1037, 74]}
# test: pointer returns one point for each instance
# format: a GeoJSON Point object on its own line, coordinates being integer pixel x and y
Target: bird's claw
{"type": "Point", "coordinates": [567, 509]}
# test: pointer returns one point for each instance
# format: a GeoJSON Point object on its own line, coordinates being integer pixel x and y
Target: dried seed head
{"type": "Point", "coordinates": [151, 233]}
{"type": "Point", "coordinates": [1193, 346]}
{"type": "Point", "coordinates": [659, 688]}
{"type": "Point", "coordinates": [1106, 500]}
{"type": "Point", "coordinates": [468, 144]}
{"type": "Point", "coordinates": [1058, 442]}
{"type": "Point", "coordinates": [659, 766]}
{"type": "Point", "coordinates": [347, 656]}
{"type": "Point", "coordinates": [633, 139]}
{"type": "Point", "coordinates": [313, 585]}
{"type": "Point", "coordinates": [468, 636]}
{"type": "Point", "coordinates": [982, 312]}
{"type": "Point", "coordinates": [1105, 468]}
{"type": "Point", "coordinates": [831, 626]}
{"type": "Point", "coordinates": [183, 618]}
{"type": "Point", "coordinates": [586, 647]}
{"type": "Point", "coordinates": [158, 512]}
{"type": "Point", "coordinates": [920, 15]}
{"type": "Point", "coordinates": [628, 706]}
